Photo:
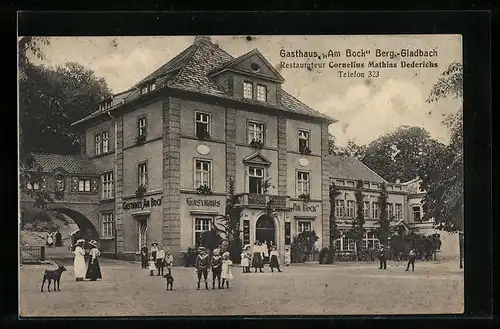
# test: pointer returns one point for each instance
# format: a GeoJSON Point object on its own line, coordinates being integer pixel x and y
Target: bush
{"type": "Point", "coordinates": [190, 257]}
{"type": "Point", "coordinates": [326, 256]}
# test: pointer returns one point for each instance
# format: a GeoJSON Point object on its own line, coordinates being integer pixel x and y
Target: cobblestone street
{"type": "Point", "coordinates": [343, 289]}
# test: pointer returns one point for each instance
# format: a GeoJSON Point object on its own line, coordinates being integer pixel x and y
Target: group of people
{"type": "Point", "coordinates": [219, 265]}
{"type": "Point", "coordinates": [158, 259]}
{"type": "Point", "coordinates": [256, 257]}
{"type": "Point", "coordinates": [92, 271]}
{"type": "Point", "coordinates": [382, 256]}
{"type": "Point", "coordinates": [49, 239]}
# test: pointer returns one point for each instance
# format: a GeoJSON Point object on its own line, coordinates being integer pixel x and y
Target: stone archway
{"type": "Point", "coordinates": [87, 229]}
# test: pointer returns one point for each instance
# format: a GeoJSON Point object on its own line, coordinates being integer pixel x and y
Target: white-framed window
{"type": "Point", "coordinates": [374, 209]}
{"type": "Point", "coordinates": [303, 180]}
{"type": "Point", "coordinates": [107, 224]}
{"type": "Point", "coordinates": [148, 87]}
{"type": "Point", "coordinates": [83, 185]}
{"type": "Point", "coordinates": [34, 186]}
{"type": "Point", "coordinates": [399, 211]}
{"type": "Point", "coordinates": [303, 139]}
{"type": "Point", "coordinates": [141, 126]}
{"type": "Point", "coordinates": [261, 93]}
{"type": "Point", "coordinates": [107, 185]}
{"type": "Point", "coordinates": [255, 180]}
{"type": "Point", "coordinates": [417, 216]}
{"type": "Point", "coordinates": [101, 143]}
{"type": "Point", "coordinates": [201, 224]}
{"type": "Point", "coordinates": [339, 208]}
{"type": "Point", "coordinates": [370, 241]}
{"type": "Point", "coordinates": [142, 174]}
{"type": "Point", "coordinates": [142, 232]}
{"type": "Point", "coordinates": [202, 173]}
{"type": "Point", "coordinates": [366, 209]}
{"type": "Point", "coordinates": [304, 226]}
{"type": "Point", "coordinates": [105, 141]}
{"type": "Point", "coordinates": [202, 127]}
{"type": "Point", "coordinates": [247, 90]}
{"type": "Point", "coordinates": [256, 131]}
{"type": "Point", "coordinates": [351, 206]}
{"type": "Point", "coordinates": [390, 210]}
{"type": "Point", "coordinates": [344, 244]}
{"type": "Point", "coordinates": [97, 144]}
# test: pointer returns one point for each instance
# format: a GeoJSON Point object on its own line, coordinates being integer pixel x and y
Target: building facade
{"type": "Point", "coordinates": [167, 149]}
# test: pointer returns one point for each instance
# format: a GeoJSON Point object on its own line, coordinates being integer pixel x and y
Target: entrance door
{"type": "Point", "coordinates": [265, 230]}
{"type": "Point", "coordinates": [142, 240]}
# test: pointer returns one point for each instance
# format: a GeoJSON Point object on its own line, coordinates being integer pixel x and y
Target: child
{"type": "Point", "coordinates": [216, 265]}
{"type": "Point", "coordinates": [152, 266]}
{"type": "Point", "coordinates": [169, 261]}
{"type": "Point", "coordinates": [287, 256]}
{"type": "Point", "coordinates": [202, 264]}
{"type": "Point", "coordinates": [245, 262]}
{"type": "Point", "coordinates": [160, 260]}
{"type": "Point", "coordinates": [274, 260]}
{"type": "Point", "coordinates": [411, 260]}
{"type": "Point", "coordinates": [226, 270]}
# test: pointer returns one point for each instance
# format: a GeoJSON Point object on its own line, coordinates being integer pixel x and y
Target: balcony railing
{"type": "Point", "coordinates": [248, 199]}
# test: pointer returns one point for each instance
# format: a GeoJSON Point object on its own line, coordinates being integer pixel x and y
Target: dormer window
{"type": "Point", "coordinates": [105, 105]}
{"type": "Point", "coordinates": [148, 87]}
{"type": "Point", "coordinates": [261, 93]}
{"type": "Point", "coordinates": [247, 90]}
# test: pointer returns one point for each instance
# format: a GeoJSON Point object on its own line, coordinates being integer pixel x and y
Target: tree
{"type": "Point", "coordinates": [442, 174]}
{"type": "Point", "coordinates": [303, 244]}
{"type": "Point", "coordinates": [334, 231]}
{"type": "Point", "coordinates": [357, 231]}
{"type": "Point", "coordinates": [400, 154]}
{"type": "Point", "coordinates": [232, 221]}
{"type": "Point", "coordinates": [352, 149]}
{"type": "Point", "coordinates": [383, 231]}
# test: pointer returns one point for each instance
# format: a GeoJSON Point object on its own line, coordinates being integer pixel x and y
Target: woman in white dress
{"type": "Point", "coordinates": [79, 262]}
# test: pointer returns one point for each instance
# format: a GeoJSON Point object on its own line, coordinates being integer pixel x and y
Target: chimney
{"type": "Point", "coordinates": [200, 38]}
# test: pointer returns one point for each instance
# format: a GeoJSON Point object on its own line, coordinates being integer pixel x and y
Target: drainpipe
{"type": "Point", "coordinates": [115, 175]}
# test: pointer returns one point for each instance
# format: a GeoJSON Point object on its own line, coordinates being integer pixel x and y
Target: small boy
{"type": "Point", "coordinates": [216, 265]}
{"type": "Point", "coordinates": [202, 265]}
{"type": "Point", "coordinates": [411, 260]}
{"type": "Point", "coordinates": [152, 266]}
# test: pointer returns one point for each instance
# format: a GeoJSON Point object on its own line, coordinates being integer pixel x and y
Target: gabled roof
{"type": "Point", "coordinates": [71, 163]}
{"type": "Point", "coordinates": [351, 168]}
{"type": "Point", "coordinates": [243, 57]}
{"type": "Point", "coordinates": [257, 158]}
{"type": "Point", "coordinates": [190, 71]}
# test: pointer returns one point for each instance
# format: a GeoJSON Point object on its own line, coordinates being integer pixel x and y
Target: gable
{"type": "Point", "coordinates": [257, 159]}
{"type": "Point", "coordinates": [257, 61]}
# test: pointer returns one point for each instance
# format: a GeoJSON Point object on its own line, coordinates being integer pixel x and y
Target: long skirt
{"type": "Point", "coordinates": [274, 262]}
{"type": "Point", "coordinates": [94, 271]}
{"type": "Point", "coordinates": [144, 261]}
{"type": "Point", "coordinates": [257, 260]}
{"type": "Point", "coordinates": [79, 266]}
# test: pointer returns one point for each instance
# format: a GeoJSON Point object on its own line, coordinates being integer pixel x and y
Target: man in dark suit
{"type": "Point", "coordinates": [382, 257]}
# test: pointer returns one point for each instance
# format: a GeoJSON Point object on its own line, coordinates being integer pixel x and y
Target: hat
{"type": "Point", "coordinates": [93, 243]}
{"type": "Point", "coordinates": [80, 241]}
{"type": "Point", "coordinates": [154, 244]}
{"type": "Point", "coordinates": [216, 252]}
{"type": "Point", "coordinates": [201, 248]}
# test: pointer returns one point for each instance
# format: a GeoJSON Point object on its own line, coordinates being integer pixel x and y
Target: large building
{"type": "Point", "coordinates": [166, 150]}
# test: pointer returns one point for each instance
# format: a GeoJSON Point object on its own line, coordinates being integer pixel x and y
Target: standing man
{"type": "Point", "coordinates": [382, 257]}
{"type": "Point", "coordinates": [411, 260]}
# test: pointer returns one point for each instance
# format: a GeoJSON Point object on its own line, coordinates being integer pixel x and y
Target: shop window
{"type": "Point", "coordinates": [201, 224]}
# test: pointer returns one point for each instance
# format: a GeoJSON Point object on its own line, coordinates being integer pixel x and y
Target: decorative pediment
{"type": "Point", "coordinates": [257, 159]}
{"type": "Point", "coordinates": [253, 63]}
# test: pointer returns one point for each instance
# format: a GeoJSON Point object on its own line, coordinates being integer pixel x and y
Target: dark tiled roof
{"type": "Point", "coordinates": [190, 70]}
{"type": "Point", "coordinates": [351, 168]}
{"type": "Point", "coordinates": [71, 163]}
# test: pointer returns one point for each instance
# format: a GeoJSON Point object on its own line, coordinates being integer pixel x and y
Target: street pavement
{"type": "Point", "coordinates": [312, 289]}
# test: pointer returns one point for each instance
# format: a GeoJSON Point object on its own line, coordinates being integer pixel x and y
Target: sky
{"type": "Point", "coordinates": [366, 108]}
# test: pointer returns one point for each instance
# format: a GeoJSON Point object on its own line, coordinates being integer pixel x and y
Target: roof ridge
{"type": "Point", "coordinates": [356, 159]}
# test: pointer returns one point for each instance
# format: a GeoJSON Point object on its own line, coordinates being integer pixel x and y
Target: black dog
{"type": "Point", "coordinates": [169, 280]}
{"type": "Point", "coordinates": [53, 275]}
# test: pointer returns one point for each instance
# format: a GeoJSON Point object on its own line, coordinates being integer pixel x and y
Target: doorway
{"type": "Point", "coordinates": [265, 231]}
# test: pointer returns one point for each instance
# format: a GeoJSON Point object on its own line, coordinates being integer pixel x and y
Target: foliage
{"type": "Point", "coordinates": [305, 197]}
{"type": "Point", "coordinates": [442, 174]}
{"type": "Point", "coordinates": [204, 189]}
{"type": "Point", "coordinates": [141, 139]}
{"type": "Point", "coordinates": [303, 243]}
{"type": "Point", "coordinates": [357, 230]}
{"type": "Point", "coordinates": [210, 239]}
{"type": "Point", "coordinates": [383, 231]}
{"type": "Point", "coordinates": [257, 144]}
{"type": "Point", "coordinates": [401, 153]}
{"type": "Point", "coordinates": [352, 149]}
{"type": "Point", "coordinates": [190, 257]}
{"type": "Point", "coordinates": [141, 190]}
{"type": "Point", "coordinates": [305, 150]}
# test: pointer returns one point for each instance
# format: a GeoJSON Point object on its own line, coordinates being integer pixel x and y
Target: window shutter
{"type": "Point", "coordinates": [44, 182]}
{"type": "Point", "coordinates": [74, 185]}
{"type": "Point", "coordinates": [93, 185]}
